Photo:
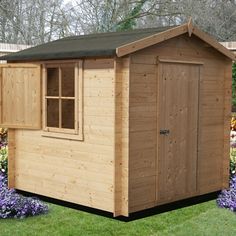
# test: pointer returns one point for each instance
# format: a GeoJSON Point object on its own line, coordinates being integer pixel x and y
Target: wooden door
{"type": "Point", "coordinates": [177, 131]}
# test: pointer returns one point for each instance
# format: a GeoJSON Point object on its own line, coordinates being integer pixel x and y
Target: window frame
{"type": "Point", "coordinates": [57, 132]}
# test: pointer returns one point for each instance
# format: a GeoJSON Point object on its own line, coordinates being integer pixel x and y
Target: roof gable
{"type": "Point", "coordinates": [110, 44]}
{"type": "Point", "coordinates": [171, 33]}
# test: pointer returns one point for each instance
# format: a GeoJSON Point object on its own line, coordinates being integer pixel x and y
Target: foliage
{"type": "Point", "coordinates": [233, 158]}
{"type": "Point", "coordinates": [15, 205]}
{"type": "Point", "coordinates": [36, 22]}
{"type": "Point", "coordinates": [3, 159]}
{"type": "Point", "coordinates": [3, 137]}
{"type": "Point", "coordinates": [232, 161]}
{"type": "Point", "coordinates": [130, 20]}
{"type": "Point", "coordinates": [3, 150]}
{"type": "Point", "coordinates": [233, 124]}
{"type": "Point", "coordinates": [234, 85]}
{"type": "Point", "coordinates": [233, 146]}
{"type": "Point", "coordinates": [227, 198]}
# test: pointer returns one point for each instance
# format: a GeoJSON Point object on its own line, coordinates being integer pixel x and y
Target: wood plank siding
{"type": "Point", "coordinates": [76, 171]}
{"type": "Point", "coordinates": [213, 143]}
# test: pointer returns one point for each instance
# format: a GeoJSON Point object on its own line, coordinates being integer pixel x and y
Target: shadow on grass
{"type": "Point", "coordinates": [133, 216]}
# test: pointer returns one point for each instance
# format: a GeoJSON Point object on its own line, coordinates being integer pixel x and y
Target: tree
{"type": "Point", "coordinates": [130, 21]}
{"type": "Point", "coordinates": [40, 21]}
{"type": "Point", "coordinates": [216, 17]}
{"type": "Point", "coordinates": [32, 22]}
{"type": "Point", "coordinates": [113, 15]}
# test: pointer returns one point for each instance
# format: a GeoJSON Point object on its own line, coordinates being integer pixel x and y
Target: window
{"type": "Point", "coordinates": [62, 100]}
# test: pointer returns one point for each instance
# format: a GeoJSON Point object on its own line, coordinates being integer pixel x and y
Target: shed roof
{"type": "Point", "coordinates": [110, 44]}
{"type": "Point", "coordinates": [92, 45]}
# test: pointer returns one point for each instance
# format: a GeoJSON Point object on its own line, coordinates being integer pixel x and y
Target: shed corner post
{"type": "Point", "coordinates": [11, 158]}
{"type": "Point", "coordinates": [121, 136]}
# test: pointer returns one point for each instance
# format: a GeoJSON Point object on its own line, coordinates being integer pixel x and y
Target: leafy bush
{"type": "Point", "coordinates": [15, 205]}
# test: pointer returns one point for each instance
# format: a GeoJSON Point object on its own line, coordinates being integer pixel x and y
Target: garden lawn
{"type": "Point", "coordinates": [202, 219]}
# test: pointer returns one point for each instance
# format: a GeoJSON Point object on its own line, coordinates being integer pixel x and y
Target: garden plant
{"type": "Point", "coordinates": [12, 204]}
{"type": "Point", "coordinates": [227, 198]}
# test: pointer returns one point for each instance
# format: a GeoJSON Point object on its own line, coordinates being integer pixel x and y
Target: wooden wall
{"type": "Point", "coordinates": [142, 131]}
{"type": "Point", "coordinates": [214, 115]}
{"type": "Point", "coordinates": [76, 171]}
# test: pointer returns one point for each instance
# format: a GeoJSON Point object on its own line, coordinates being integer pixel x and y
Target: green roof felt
{"type": "Point", "coordinates": [93, 45]}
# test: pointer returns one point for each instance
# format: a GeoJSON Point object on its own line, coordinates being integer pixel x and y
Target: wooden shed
{"type": "Point", "coordinates": [119, 121]}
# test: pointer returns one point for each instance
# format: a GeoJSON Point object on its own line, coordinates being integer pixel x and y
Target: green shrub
{"type": "Point", "coordinates": [232, 161]}
{"type": "Point", "coordinates": [3, 159]}
{"type": "Point", "coordinates": [3, 150]}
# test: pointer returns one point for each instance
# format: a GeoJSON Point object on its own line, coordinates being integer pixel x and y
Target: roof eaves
{"type": "Point", "coordinates": [68, 55]}
{"type": "Point", "coordinates": [211, 41]}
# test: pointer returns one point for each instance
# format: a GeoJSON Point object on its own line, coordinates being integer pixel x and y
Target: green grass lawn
{"type": "Point", "coordinates": [201, 219]}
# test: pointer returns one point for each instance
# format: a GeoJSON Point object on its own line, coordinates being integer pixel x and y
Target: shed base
{"type": "Point", "coordinates": [133, 216]}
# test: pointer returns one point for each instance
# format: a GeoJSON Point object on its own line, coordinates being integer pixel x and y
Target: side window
{"type": "Point", "coordinates": [62, 100]}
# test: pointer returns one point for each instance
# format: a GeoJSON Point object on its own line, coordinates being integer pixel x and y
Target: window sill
{"type": "Point", "coordinates": [78, 137]}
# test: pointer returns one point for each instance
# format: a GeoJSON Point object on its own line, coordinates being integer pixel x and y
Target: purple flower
{"type": "Point", "coordinates": [233, 144]}
{"type": "Point", "coordinates": [14, 205]}
{"type": "Point", "coordinates": [227, 197]}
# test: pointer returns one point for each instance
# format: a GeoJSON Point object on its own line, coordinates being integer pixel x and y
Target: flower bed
{"type": "Point", "coordinates": [227, 197]}
{"type": "Point", "coordinates": [15, 205]}
{"type": "Point", "coordinates": [12, 204]}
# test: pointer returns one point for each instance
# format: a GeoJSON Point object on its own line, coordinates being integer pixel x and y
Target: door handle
{"type": "Point", "coordinates": [164, 131]}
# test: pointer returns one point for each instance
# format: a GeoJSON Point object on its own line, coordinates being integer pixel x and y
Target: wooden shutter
{"type": "Point", "coordinates": [20, 88]}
